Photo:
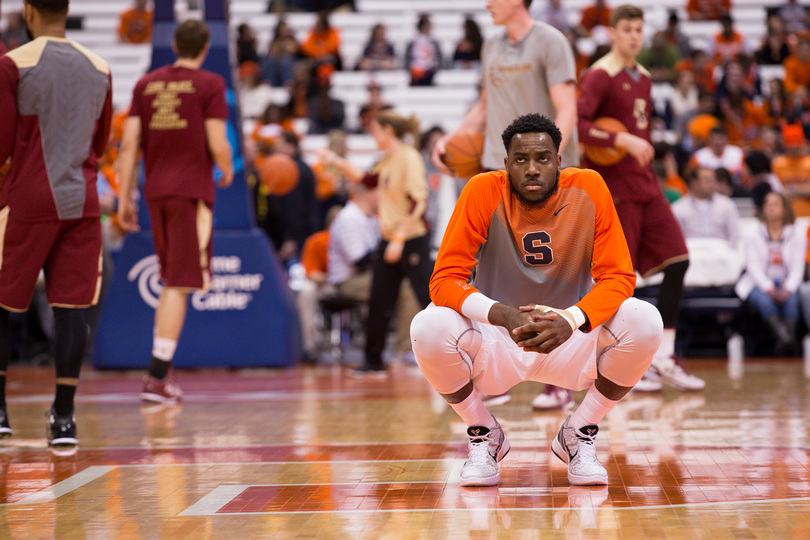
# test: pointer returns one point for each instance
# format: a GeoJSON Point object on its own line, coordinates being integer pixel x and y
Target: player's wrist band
{"type": "Point", "coordinates": [573, 315]}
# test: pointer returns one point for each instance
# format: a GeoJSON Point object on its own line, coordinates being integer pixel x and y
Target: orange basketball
{"type": "Point", "coordinates": [278, 173]}
{"type": "Point", "coordinates": [606, 155]}
{"type": "Point", "coordinates": [463, 154]}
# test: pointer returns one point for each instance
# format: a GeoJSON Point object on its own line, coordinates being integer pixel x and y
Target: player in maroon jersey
{"type": "Point", "coordinates": [177, 116]}
{"type": "Point", "coordinates": [618, 87]}
{"type": "Point", "coordinates": [55, 115]}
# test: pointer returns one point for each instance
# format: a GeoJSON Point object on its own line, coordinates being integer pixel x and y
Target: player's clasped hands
{"type": "Point", "coordinates": [540, 331]}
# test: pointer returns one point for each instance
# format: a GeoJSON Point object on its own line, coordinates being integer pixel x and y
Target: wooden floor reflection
{"type": "Point", "coordinates": [308, 452]}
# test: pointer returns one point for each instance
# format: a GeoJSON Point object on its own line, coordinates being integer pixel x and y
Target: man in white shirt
{"type": "Point", "coordinates": [354, 238]}
{"type": "Point", "coordinates": [719, 153]}
{"type": "Point", "coordinates": [704, 213]}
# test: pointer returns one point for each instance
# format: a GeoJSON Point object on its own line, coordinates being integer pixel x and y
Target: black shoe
{"type": "Point", "coordinates": [366, 370]}
{"type": "Point", "coordinates": [5, 429]}
{"type": "Point", "coordinates": [61, 429]}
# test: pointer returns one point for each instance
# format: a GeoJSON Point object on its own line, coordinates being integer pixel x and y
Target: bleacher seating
{"type": "Point", "coordinates": [445, 107]}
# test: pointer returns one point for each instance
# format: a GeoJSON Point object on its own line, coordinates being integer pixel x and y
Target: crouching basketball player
{"type": "Point", "coordinates": [533, 282]}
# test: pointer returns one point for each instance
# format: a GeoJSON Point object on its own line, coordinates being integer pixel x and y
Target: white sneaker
{"type": "Point", "coordinates": [646, 384]}
{"type": "Point", "coordinates": [553, 398]}
{"type": "Point", "coordinates": [666, 369]}
{"type": "Point", "coordinates": [487, 448]}
{"type": "Point", "coordinates": [577, 448]}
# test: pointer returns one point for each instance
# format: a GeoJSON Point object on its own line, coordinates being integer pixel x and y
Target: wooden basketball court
{"type": "Point", "coordinates": [308, 452]}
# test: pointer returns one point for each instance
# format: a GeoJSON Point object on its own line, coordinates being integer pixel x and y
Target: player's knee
{"type": "Point", "coordinates": [644, 323]}
{"type": "Point", "coordinates": [429, 331]}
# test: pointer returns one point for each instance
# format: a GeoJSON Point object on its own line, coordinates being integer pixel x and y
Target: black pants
{"type": "Point", "coordinates": [416, 265]}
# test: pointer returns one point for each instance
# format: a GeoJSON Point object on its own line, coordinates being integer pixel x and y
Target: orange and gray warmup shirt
{"type": "Point", "coordinates": [55, 117]}
{"type": "Point", "coordinates": [569, 251]}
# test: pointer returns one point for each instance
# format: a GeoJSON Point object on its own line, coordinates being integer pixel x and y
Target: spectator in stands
{"type": "Point", "coordinates": [758, 169]}
{"type": "Point", "coordinates": [797, 68]}
{"type": "Point", "coordinates": [774, 48]}
{"type": "Point", "coordinates": [795, 16]}
{"type": "Point", "coordinates": [135, 25]}
{"type": "Point", "coordinates": [728, 44]}
{"type": "Point", "coordinates": [423, 56]}
{"type": "Point", "coordinates": [331, 183]}
{"type": "Point", "coordinates": [776, 105]}
{"type": "Point", "coordinates": [322, 44]}
{"type": "Point", "coordinates": [665, 167]}
{"type": "Point", "coordinates": [291, 218]}
{"type": "Point", "coordinates": [770, 142]}
{"type": "Point", "coordinates": [682, 105]}
{"type": "Point", "coordinates": [15, 33]}
{"type": "Point", "coordinates": [246, 44]}
{"type": "Point", "coordinates": [274, 121]}
{"type": "Point", "coordinates": [372, 107]}
{"type": "Point", "coordinates": [793, 169]}
{"type": "Point", "coordinates": [254, 94]}
{"type": "Point", "coordinates": [698, 128]}
{"type": "Point", "coordinates": [581, 60]}
{"type": "Point", "coordinates": [282, 53]}
{"type": "Point", "coordinates": [702, 66]}
{"type": "Point", "coordinates": [468, 50]}
{"type": "Point", "coordinates": [354, 239]}
{"type": "Point", "coordinates": [325, 113]}
{"type": "Point", "coordinates": [675, 37]}
{"type": "Point", "coordinates": [742, 117]}
{"type": "Point", "coordinates": [719, 153]}
{"type": "Point", "coordinates": [551, 12]}
{"type": "Point", "coordinates": [314, 259]}
{"type": "Point", "coordinates": [660, 58]}
{"type": "Point", "coordinates": [302, 88]}
{"type": "Point", "coordinates": [378, 54]}
{"type": "Point", "coordinates": [705, 213]}
{"type": "Point", "coordinates": [597, 14]}
{"type": "Point", "coordinates": [775, 254]}
{"type": "Point", "coordinates": [707, 10]}
{"type": "Point", "coordinates": [725, 185]}
{"type": "Point", "coordinates": [660, 172]}
{"type": "Point", "coordinates": [427, 140]}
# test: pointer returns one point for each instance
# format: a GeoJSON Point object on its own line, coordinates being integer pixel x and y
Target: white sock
{"type": "Point", "coordinates": [667, 347]}
{"type": "Point", "coordinates": [163, 348]}
{"type": "Point", "coordinates": [473, 411]}
{"type": "Point", "coordinates": [592, 409]}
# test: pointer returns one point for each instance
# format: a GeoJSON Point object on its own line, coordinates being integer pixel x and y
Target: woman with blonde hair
{"type": "Point", "coordinates": [404, 250]}
{"type": "Point", "coordinates": [774, 270]}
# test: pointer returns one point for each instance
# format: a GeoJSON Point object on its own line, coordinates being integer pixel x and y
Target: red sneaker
{"type": "Point", "coordinates": [161, 390]}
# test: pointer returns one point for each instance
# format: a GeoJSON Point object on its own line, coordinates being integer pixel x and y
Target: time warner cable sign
{"type": "Point", "coordinates": [245, 318]}
{"type": "Point", "coordinates": [230, 288]}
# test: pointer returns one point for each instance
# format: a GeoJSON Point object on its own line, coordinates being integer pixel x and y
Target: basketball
{"type": "Point", "coordinates": [278, 174]}
{"type": "Point", "coordinates": [463, 154]}
{"type": "Point", "coordinates": [606, 155]}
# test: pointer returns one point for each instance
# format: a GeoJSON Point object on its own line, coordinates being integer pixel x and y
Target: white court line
{"type": "Point", "coordinates": [65, 486]}
{"type": "Point", "coordinates": [211, 503]}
